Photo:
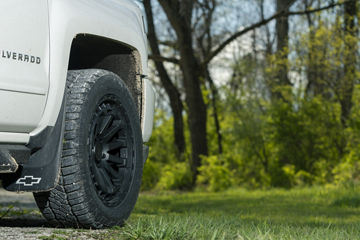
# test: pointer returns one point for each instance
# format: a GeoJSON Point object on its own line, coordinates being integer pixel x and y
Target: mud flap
{"type": "Point", "coordinates": [41, 172]}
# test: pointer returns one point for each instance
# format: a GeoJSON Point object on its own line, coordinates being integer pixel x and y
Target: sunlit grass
{"type": "Point", "coordinates": [315, 213]}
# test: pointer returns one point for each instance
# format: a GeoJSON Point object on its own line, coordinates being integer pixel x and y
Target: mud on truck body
{"type": "Point", "coordinates": [75, 107]}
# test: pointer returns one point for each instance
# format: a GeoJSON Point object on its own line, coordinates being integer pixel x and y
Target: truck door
{"type": "Point", "coordinates": [24, 63]}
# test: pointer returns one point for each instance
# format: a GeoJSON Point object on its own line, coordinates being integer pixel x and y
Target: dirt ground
{"type": "Point", "coordinates": [20, 219]}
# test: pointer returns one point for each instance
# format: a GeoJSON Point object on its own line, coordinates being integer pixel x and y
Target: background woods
{"type": "Point", "coordinates": [254, 93]}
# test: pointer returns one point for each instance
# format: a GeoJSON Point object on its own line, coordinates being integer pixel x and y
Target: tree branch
{"type": "Point", "coordinates": [264, 22]}
{"type": "Point", "coordinates": [309, 11]}
{"type": "Point", "coordinates": [158, 58]}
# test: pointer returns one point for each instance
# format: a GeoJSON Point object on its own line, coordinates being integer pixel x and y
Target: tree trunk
{"type": "Point", "coordinates": [179, 13]}
{"type": "Point", "coordinates": [282, 35]}
{"type": "Point", "coordinates": [214, 98]}
{"type": "Point", "coordinates": [347, 85]}
{"type": "Point", "coordinates": [316, 85]}
{"type": "Point", "coordinates": [197, 113]}
{"type": "Point", "coordinates": [312, 88]}
{"type": "Point", "coordinates": [171, 90]}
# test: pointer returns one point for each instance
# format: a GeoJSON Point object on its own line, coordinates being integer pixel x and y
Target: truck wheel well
{"type": "Point", "coordinates": [90, 51]}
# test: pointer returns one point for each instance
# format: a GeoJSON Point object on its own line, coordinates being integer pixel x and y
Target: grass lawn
{"type": "Point", "coordinates": [312, 213]}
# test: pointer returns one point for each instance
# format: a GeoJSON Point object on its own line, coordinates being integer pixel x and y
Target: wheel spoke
{"type": "Point", "coordinates": [119, 143]}
{"type": "Point", "coordinates": [110, 170]}
{"type": "Point", "coordinates": [121, 162]}
{"type": "Point", "coordinates": [103, 180]}
{"type": "Point", "coordinates": [105, 123]}
{"type": "Point", "coordinates": [107, 135]}
{"type": "Point", "coordinates": [107, 180]}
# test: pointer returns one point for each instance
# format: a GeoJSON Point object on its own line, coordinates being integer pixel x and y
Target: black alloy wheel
{"type": "Point", "coordinates": [110, 151]}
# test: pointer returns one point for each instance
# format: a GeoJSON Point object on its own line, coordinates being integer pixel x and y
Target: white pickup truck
{"type": "Point", "coordinates": [75, 107]}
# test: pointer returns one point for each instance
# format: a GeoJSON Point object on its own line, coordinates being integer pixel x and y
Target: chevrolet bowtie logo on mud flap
{"type": "Point", "coordinates": [28, 181]}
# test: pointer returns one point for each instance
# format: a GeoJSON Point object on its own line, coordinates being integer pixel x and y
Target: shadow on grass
{"type": "Point", "coordinates": [347, 201]}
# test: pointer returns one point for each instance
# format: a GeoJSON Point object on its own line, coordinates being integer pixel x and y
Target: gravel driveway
{"type": "Point", "coordinates": [20, 219]}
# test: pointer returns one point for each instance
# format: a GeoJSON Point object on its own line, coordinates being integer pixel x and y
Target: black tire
{"type": "Point", "coordinates": [101, 163]}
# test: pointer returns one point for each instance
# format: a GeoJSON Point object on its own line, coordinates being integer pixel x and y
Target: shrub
{"type": "Point", "coordinates": [303, 178]}
{"type": "Point", "coordinates": [347, 173]}
{"type": "Point", "coordinates": [214, 174]}
{"type": "Point", "coordinates": [175, 176]}
{"type": "Point", "coordinates": [151, 175]}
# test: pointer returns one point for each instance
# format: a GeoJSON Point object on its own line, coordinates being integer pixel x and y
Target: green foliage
{"type": "Point", "coordinates": [162, 149]}
{"type": "Point", "coordinates": [162, 169]}
{"type": "Point", "coordinates": [297, 142]}
{"type": "Point", "coordinates": [291, 142]}
{"type": "Point", "coordinates": [276, 134]}
{"type": "Point", "coordinates": [151, 175]}
{"type": "Point", "coordinates": [175, 176]}
{"type": "Point", "coordinates": [307, 134]}
{"type": "Point", "coordinates": [347, 172]}
{"type": "Point", "coordinates": [215, 174]}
